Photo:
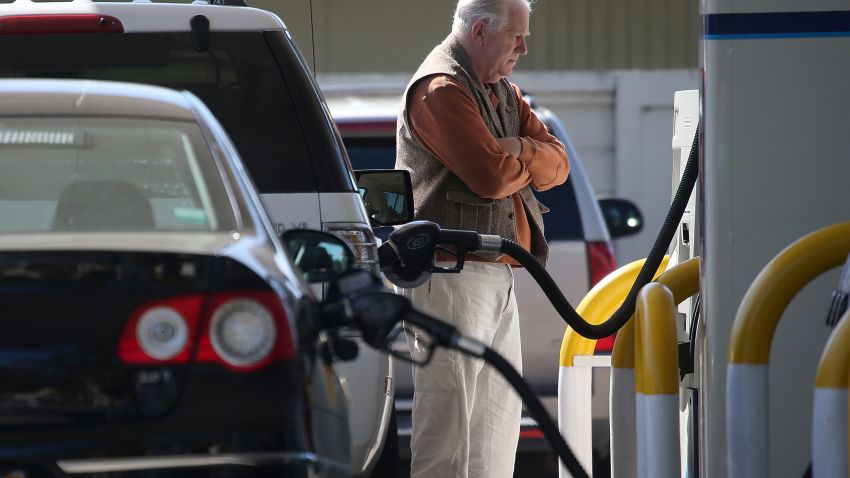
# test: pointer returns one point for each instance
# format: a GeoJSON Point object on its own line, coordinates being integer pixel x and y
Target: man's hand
{"type": "Point", "coordinates": [511, 145]}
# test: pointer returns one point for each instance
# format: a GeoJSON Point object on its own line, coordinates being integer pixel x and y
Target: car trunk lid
{"type": "Point", "coordinates": [64, 314]}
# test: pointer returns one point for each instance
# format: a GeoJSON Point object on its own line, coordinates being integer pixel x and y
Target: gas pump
{"type": "Point", "coordinates": [773, 114]}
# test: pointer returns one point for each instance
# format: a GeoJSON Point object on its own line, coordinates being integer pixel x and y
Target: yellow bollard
{"type": "Point", "coordinates": [829, 414]}
{"type": "Point", "coordinates": [752, 334]}
{"type": "Point", "coordinates": [657, 379]}
{"type": "Point", "coordinates": [574, 383]}
{"type": "Point", "coordinates": [683, 282]}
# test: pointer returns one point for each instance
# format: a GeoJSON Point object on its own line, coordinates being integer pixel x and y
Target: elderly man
{"type": "Point", "coordinates": [474, 149]}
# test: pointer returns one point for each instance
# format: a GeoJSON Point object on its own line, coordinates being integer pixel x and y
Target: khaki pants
{"type": "Point", "coordinates": [465, 415]}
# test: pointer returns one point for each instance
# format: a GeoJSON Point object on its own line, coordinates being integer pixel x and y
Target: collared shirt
{"type": "Point", "coordinates": [444, 117]}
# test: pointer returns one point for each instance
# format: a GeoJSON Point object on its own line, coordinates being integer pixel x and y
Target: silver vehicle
{"type": "Point", "coordinates": [243, 64]}
{"type": "Point", "coordinates": [153, 322]}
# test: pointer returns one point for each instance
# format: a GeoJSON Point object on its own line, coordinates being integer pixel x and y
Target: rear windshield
{"type": "Point", "coordinates": [237, 78]}
{"type": "Point", "coordinates": [562, 223]}
{"type": "Point", "coordinates": [108, 174]}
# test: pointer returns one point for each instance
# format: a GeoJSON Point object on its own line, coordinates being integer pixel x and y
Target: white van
{"type": "Point", "coordinates": [243, 64]}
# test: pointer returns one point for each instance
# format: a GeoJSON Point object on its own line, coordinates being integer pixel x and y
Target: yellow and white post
{"type": "Point", "coordinates": [683, 282]}
{"type": "Point", "coordinates": [622, 404]}
{"type": "Point", "coordinates": [656, 383]}
{"type": "Point", "coordinates": [747, 437]}
{"type": "Point", "coordinates": [574, 383]}
{"type": "Point", "coordinates": [829, 417]}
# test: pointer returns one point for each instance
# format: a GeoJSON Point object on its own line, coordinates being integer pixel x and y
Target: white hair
{"type": "Point", "coordinates": [494, 13]}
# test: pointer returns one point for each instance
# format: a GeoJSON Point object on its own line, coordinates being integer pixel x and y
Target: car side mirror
{"type": "Point", "coordinates": [622, 217]}
{"type": "Point", "coordinates": [387, 195]}
{"type": "Point", "coordinates": [321, 256]}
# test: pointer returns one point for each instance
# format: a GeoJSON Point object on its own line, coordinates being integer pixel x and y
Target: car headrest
{"type": "Point", "coordinates": [102, 206]}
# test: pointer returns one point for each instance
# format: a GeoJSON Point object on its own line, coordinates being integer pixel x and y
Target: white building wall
{"type": "Point", "coordinates": [622, 124]}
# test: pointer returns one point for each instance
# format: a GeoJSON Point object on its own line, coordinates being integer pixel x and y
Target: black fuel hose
{"type": "Point", "coordinates": [647, 272]}
{"type": "Point", "coordinates": [448, 336]}
{"type": "Point", "coordinates": [360, 300]}
{"type": "Point", "coordinates": [535, 408]}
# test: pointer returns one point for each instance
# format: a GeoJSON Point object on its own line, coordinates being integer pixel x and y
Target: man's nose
{"type": "Point", "coordinates": [522, 47]}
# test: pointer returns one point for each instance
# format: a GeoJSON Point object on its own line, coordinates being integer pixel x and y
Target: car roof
{"type": "Point", "coordinates": [364, 115]}
{"type": "Point", "coordinates": [347, 108]}
{"type": "Point", "coordinates": [88, 97]}
{"type": "Point", "coordinates": [145, 16]}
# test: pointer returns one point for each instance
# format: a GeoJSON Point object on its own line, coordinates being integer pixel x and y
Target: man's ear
{"type": "Point", "coordinates": [478, 29]}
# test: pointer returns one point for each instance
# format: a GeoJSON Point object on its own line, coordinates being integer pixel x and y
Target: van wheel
{"type": "Point", "coordinates": [388, 464]}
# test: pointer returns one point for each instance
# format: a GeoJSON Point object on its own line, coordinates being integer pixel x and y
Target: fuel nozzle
{"type": "Point", "coordinates": [407, 257]}
{"type": "Point", "coordinates": [359, 300]}
{"type": "Point", "coordinates": [839, 296]}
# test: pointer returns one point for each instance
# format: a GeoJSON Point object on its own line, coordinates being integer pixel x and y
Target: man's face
{"type": "Point", "coordinates": [501, 49]}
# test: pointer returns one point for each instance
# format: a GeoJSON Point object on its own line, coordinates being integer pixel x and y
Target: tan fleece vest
{"type": "Point", "coordinates": [440, 196]}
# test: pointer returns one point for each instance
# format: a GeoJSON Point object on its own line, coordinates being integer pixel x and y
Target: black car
{"type": "Point", "coordinates": [152, 323]}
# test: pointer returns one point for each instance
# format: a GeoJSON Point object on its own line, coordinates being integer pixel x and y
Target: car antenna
{"type": "Point", "coordinates": [312, 38]}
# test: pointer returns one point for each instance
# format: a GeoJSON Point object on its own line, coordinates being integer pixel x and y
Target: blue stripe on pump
{"type": "Point", "coordinates": [733, 26]}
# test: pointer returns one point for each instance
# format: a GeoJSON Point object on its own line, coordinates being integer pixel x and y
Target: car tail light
{"type": "Point", "coordinates": [531, 434]}
{"type": "Point", "coordinates": [361, 240]}
{"type": "Point", "coordinates": [601, 262]}
{"type": "Point", "coordinates": [60, 23]}
{"type": "Point", "coordinates": [161, 331]}
{"type": "Point", "coordinates": [605, 345]}
{"type": "Point", "coordinates": [243, 331]}
{"type": "Point", "coordinates": [246, 331]}
{"type": "Point", "coordinates": [355, 127]}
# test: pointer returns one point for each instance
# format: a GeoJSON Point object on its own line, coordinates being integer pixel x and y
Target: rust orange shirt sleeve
{"type": "Point", "coordinates": [542, 153]}
{"type": "Point", "coordinates": [445, 119]}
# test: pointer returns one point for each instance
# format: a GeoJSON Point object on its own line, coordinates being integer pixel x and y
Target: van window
{"type": "Point", "coordinates": [237, 79]}
{"type": "Point", "coordinates": [563, 221]}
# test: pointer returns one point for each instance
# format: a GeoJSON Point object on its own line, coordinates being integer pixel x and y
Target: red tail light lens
{"type": "Point", "coordinates": [605, 345]}
{"type": "Point", "coordinates": [243, 331]}
{"type": "Point", "coordinates": [374, 127]}
{"type": "Point", "coordinates": [63, 23]}
{"type": "Point", "coordinates": [601, 262]}
{"type": "Point", "coordinates": [531, 434]}
{"type": "Point", "coordinates": [161, 332]}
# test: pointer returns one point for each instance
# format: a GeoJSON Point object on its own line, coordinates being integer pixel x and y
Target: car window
{"type": "Point", "coordinates": [371, 153]}
{"type": "Point", "coordinates": [237, 79]}
{"type": "Point", "coordinates": [108, 174]}
{"type": "Point", "coordinates": [563, 222]}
